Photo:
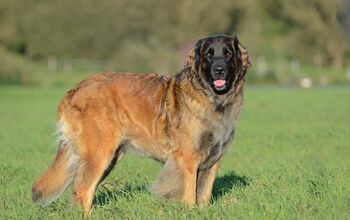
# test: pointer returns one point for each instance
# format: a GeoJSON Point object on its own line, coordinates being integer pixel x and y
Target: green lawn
{"type": "Point", "coordinates": [290, 160]}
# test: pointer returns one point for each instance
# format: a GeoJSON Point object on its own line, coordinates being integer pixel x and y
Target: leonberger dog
{"type": "Point", "coordinates": [185, 121]}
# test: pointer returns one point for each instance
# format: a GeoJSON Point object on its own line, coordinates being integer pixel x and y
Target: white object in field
{"type": "Point", "coordinates": [305, 82]}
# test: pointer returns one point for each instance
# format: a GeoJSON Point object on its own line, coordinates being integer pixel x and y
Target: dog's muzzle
{"type": "Point", "coordinates": [219, 74]}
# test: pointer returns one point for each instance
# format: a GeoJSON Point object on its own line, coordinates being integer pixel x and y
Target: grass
{"type": "Point", "coordinates": [290, 160]}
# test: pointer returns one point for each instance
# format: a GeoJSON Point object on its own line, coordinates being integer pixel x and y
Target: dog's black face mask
{"type": "Point", "coordinates": [218, 60]}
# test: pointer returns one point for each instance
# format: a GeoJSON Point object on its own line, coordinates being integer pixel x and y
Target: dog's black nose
{"type": "Point", "coordinates": [219, 69]}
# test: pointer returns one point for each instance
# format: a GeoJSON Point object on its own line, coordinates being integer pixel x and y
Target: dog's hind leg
{"type": "Point", "coordinates": [101, 153]}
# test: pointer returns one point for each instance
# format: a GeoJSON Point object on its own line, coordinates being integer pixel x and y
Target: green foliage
{"type": "Point", "coordinates": [134, 56]}
{"type": "Point", "coordinates": [310, 31]}
{"type": "Point", "coordinates": [15, 69]}
{"type": "Point", "coordinates": [318, 29]}
{"type": "Point", "coordinates": [289, 161]}
{"type": "Point", "coordinates": [96, 29]}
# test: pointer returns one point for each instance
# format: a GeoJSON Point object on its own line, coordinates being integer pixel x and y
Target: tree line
{"type": "Point", "coordinates": [313, 31]}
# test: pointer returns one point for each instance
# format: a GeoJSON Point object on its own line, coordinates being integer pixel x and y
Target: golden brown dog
{"type": "Point", "coordinates": [185, 121]}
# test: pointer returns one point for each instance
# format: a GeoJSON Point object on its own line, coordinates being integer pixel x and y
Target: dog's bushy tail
{"type": "Point", "coordinates": [49, 186]}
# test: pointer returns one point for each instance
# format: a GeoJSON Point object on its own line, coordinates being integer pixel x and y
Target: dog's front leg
{"type": "Point", "coordinates": [188, 164]}
{"type": "Point", "coordinates": [205, 182]}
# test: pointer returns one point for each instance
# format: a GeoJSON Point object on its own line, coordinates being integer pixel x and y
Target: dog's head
{"type": "Point", "coordinates": [219, 61]}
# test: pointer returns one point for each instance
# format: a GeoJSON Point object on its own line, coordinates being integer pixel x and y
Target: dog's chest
{"type": "Point", "coordinates": [214, 143]}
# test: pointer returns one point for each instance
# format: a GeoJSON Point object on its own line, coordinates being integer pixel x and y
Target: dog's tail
{"type": "Point", "coordinates": [48, 187]}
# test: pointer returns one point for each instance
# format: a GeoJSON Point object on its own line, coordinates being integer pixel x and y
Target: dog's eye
{"type": "Point", "coordinates": [209, 55]}
{"type": "Point", "coordinates": [228, 54]}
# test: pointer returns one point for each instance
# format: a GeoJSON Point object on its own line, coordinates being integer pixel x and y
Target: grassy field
{"type": "Point", "coordinates": [290, 160]}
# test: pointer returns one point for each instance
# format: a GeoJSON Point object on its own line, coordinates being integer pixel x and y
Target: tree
{"type": "Point", "coordinates": [318, 21]}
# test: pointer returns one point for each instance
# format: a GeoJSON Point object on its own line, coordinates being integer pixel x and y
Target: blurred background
{"type": "Point", "coordinates": [53, 43]}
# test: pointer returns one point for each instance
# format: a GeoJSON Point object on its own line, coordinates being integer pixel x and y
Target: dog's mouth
{"type": "Point", "coordinates": [219, 84]}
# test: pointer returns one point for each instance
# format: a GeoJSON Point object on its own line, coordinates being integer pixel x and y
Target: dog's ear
{"type": "Point", "coordinates": [194, 56]}
{"type": "Point", "coordinates": [246, 64]}
{"type": "Point", "coordinates": [190, 60]}
{"type": "Point", "coordinates": [238, 54]}
{"type": "Point", "coordinates": [197, 54]}
{"type": "Point", "coordinates": [241, 53]}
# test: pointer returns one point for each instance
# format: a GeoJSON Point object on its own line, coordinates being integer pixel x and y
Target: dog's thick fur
{"type": "Point", "coordinates": [179, 120]}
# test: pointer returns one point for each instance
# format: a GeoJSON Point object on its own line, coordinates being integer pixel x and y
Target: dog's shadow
{"type": "Point", "coordinates": [226, 183]}
{"type": "Point", "coordinates": [222, 185]}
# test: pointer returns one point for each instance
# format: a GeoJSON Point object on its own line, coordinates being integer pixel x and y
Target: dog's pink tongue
{"type": "Point", "coordinates": [219, 82]}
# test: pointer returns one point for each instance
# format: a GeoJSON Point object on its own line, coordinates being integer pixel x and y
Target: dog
{"type": "Point", "coordinates": [185, 121]}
